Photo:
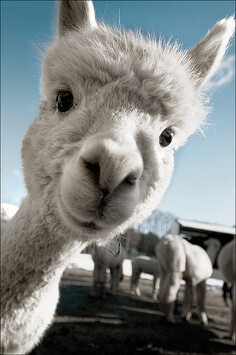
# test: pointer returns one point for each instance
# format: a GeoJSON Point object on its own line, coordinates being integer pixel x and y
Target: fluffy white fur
{"type": "Point", "coordinates": [141, 263]}
{"type": "Point", "coordinates": [179, 259]}
{"type": "Point", "coordinates": [127, 89]}
{"type": "Point", "coordinates": [227, 264]}
{"type": "Point", "coordinates": [104, 259]}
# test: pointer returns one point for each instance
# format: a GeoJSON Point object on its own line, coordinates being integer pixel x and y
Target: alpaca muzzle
{"type": "Point", "coordinates": [100, 185]}
{"type": "Point", "coordinates": [111, 164]}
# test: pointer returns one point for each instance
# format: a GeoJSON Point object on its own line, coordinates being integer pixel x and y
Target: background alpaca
{"type": "Point", "coordinates": [99, 157]}
{"type": "Point", "coordinates": [104, 259]}
{"type": "Point", "coordinates": [226, 262]}
{"type": "Point", "coordinates": [142, 263]}
{"type": "Point", "coordinates": [179, 260]}
{"type": "Point", "coordinates": [227, 292]}
{"type": "Point", "coordinates": [213, 246]}
{"type": "Point", "coordinates": [143, 243]}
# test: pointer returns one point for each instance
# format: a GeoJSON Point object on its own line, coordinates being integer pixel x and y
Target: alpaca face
{"type": "Point", "coordinates": [116, 105]}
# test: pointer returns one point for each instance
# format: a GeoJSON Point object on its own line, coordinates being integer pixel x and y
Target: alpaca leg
{"type": "Point", "coordinates": [99, 280]}
{"type": "Point", "coordinates": [188, 301]}
{"type": "Point", "coordinates": [233, 319]}
{"type": "Point", "coordinates": [169, 286]}
{"type": "Point", "coordinates": [12, 348]}
{"type": "Point", "coordinates": [178, 297]}
{"type": "Point", "coordinates": [168, 309]}
{"type": "Point", "coordinates": [174, 285]}
{"type": "Point", "coordinates": [121, 275]}
{"type": "Point", "coordinates": [201, 296]}
{"type": "Point", "coordinates": [227, 292]}
{"type": "Point", "coordinates": [96, 280]}
{"type": "Point", "coordinates": [102, 281]}
{"type": "Point", "coordinates": [156, 282]}
{"type": "Point", "coordinates": [115, 274]}
{"type": "Point", "coordinates": [161, 284]}
{"type": "Point", "coordinates": [112, 281]}
{"type": "Point", "coordinates": [134, 289]}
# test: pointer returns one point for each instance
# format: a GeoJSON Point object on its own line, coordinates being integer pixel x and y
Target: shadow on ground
{"type": "Point", "coordinates": [125, 324]}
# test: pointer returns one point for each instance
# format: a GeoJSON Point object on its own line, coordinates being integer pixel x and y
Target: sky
{"type": "Point", "coordinates": [202, 186]}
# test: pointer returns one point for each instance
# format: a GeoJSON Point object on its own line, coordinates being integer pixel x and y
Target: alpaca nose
{"type": "Point", "coordinates": [93, 169]}
{"type": "Point", "coordinates": [111, 164]}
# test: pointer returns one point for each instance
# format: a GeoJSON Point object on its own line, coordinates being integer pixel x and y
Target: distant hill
{"type": "Point", "coordinates": [159, 223]}
{"type": "Point", "coordinates": [7, 212]}
{"type": "Point", "coordinates": [144, 237]}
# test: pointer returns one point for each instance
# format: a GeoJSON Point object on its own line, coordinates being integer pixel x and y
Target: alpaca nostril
{"type": "Point", "coordinates": [129, 180]}
{"type": "Point", "coordinates": [105, 192]}
{"type": "Point", "coordinates": [93, 168]}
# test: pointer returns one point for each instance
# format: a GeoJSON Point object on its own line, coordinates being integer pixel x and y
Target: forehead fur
{"type": "Point", "coordinates": [157, 78]}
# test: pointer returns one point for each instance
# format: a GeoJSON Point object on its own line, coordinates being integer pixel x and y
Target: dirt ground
{"type": "Point", "coordinates": [125, 324]}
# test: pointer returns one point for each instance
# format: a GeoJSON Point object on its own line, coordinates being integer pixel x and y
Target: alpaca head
{"type": "Point", "coordinates": [212, 243]}
{"type": "Point", "coordinates": [116, 105]}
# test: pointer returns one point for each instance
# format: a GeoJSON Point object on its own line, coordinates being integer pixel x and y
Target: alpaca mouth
{"type": "Point", "coordinates": [90, 225]}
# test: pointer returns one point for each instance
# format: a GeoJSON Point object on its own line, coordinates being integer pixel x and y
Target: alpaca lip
{"type": "Point", "coordinates": [88, 225]}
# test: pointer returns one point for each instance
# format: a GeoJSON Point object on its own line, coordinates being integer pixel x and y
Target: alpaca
{"type": "Point", "coordinates": [100, 156]}
{"type": "Point", "coordinates": [179, 259]}
{"type": "Point", "coordinates": [141, 263]}
{"type": "Point", "coordinates": [103, 260]}
{"type": "Point", "coordinates": [144, 243]}
{"type": "Point", "coordinates": [213, 246]}
{"type": "Point", "coordinates": [226, 262]}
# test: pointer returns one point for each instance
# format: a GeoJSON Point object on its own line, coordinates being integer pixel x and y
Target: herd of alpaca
{"type": "Point", "coordinates": [150, 265]}
{"type": "Point", "coordinates": [100, 155]}
{"type": "Point", "coordinates": [177, 259]}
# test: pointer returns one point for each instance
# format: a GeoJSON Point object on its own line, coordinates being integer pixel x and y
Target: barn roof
{"type": "Point", "coordinates": [216, 228]}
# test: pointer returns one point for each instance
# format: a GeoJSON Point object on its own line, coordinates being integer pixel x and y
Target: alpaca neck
{"type": "Point", "coordinates": [33, 256]}
{"type": "Point", "coordinates": [212, 253]}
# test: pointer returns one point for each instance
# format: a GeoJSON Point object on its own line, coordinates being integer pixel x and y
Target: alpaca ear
{"type": "Point", "coordinates": [74, 14]}
{"type": "Point", "coordinates": [208, 53]}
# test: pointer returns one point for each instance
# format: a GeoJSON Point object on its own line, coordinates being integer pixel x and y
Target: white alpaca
{"type": "Point", "coordinates": [148, 265]}
{"type": "Point", "coordinates": [104, 259]}
{"type": "Point", "coordinates": [99, 157]}
{"type": "Point", "coordinates": [141, 263]}
{"type": "Point", "coordinates": [227, 265]}
{"type": "Point", "coordinates": [213, 247]}
{"type": "Point", "coordinates": [179, 260]}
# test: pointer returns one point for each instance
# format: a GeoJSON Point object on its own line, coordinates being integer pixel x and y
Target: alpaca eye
{"type": "Point", "coordinates": [64, 101]}
{"type": "Point", "coordinates": [166, 137]}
